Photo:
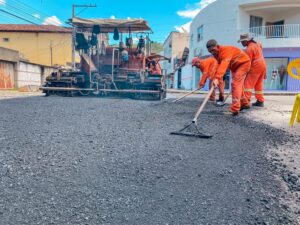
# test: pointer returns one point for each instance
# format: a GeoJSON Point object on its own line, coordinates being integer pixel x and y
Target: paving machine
{"type": "Point", "coordinates": [125, 67]}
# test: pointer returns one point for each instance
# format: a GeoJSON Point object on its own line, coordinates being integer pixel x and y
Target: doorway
{"type": "Point", "coordinates": [275, 29]}
{"type": "Point", "coordinates": [179, 79]}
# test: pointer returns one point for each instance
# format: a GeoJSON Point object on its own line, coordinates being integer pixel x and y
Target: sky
{"type": "Point", "coordinates": [163, 16]}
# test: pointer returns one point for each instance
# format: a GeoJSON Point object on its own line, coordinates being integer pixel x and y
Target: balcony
{"type": "Point", "coordinates": [277, 36]}
{"type": "Point", "coordinates": [276, 31]}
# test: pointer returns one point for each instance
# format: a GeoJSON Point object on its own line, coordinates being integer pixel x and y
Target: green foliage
{"type": "Point", "coordinates": [156, 47]}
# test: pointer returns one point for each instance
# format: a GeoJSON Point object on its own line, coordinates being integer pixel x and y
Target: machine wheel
{"type": "Point", "coordinates": [72, 93]}
{"type": "Point", "coordinates": [85, 93]}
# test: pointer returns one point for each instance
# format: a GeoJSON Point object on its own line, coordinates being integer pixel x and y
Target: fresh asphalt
{"type": "Point", "coordinates": [113, 161]}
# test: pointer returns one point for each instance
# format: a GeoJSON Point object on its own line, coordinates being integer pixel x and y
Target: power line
{"type": "Point", "coordinates": [23, 11]}
{"type": "Point", "coordinates": [26, 7]}
{"type": "Point", "coordinates": [29, 7]}
{"type": "Point", "coordinates": [8, 19]}
{"type": "Point", "coordinates": [27, 12]}
{"type": "Point", "coordinates": [19, 17]}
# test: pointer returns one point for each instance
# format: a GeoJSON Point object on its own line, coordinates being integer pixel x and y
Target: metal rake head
{"type": "Point", "coordinates": [191, 130]}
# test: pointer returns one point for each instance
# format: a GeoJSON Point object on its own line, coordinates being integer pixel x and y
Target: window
{"type": "Point", "coordinates": [276, 74]}
{"type": "Point", "coordinates": [5, 39]}
{"type": "Point", "coordinates": [192, 41]}
{"type": "Point", "coordinates": [200, 33]}
{"type": "Point", "coordinates": [195, 52]}
{"type": "Point", "coordinates": [192, 38]}
{"type": "Point", "coordinates": [256, 25]}
{"type": "Point", "coordinates": [198, 52]}
{"type": "Point", "coordinates": [256, 21]}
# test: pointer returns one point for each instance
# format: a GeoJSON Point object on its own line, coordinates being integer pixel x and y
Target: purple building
{"type": "Point", "coordinates": [277, 60]}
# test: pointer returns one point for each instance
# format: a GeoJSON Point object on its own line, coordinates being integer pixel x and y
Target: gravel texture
{"type": "Point", "coordinates": [112, 161]}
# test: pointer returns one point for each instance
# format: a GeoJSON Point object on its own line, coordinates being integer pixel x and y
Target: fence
{"type": "Point", "coordinates": [276, 31]}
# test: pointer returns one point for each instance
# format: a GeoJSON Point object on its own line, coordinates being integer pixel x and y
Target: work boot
{"type": "Point", "coordinates": [220, 100]}
{"type": "Point", "coordinates": [258, 104]}
{"type": "Point", "coordinates": [235, 113]}
{"type": "Point", "coordinates": [244, 107]}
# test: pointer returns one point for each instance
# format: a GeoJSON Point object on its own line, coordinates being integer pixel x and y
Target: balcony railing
{"type": "Point", "coordinates": [276, 31]}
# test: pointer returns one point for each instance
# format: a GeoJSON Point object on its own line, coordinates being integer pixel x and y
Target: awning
{"type": "Point", "coordinates": [109, 25]}
{"type": "Point", "coordinates": [157, 57]}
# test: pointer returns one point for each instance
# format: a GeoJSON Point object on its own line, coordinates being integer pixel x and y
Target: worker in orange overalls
{"type": "Point", "coordinates": [257, 74]}
{"type": "Point", "coordinates": [208, 68]}
{"type": "Point", "coordinates": [154, 68]}
{"type": "Point", "coordinates": [239, 63]}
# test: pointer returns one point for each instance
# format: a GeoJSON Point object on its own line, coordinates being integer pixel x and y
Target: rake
{"type": "Point", "coordinates": [192, 129]}
{"type": "Point", "coordinates": [185, 95]}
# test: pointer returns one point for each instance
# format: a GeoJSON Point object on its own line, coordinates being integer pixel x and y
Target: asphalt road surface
{"type": "Point", "coordinates": [112, 161]}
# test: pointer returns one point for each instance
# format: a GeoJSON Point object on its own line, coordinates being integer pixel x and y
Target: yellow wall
{"type": "Point", "coordinates": [36, 46]}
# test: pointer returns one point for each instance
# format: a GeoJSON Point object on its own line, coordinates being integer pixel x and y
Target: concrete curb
{"type": "Point", "coordinates": [174, 91]}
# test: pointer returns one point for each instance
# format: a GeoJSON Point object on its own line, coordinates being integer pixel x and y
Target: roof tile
{"type": "Point", "coordinates": [34, 28]}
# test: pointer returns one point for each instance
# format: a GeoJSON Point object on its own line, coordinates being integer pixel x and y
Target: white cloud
{"type": "Point", "coordinates": [37, 16]}
{"type": "Point", "coordinates": [184, 28]}
{"type": "Point", "coordinates": [112, 17]}
{"type": "Point", "coordinates": [189, 13]}
{"type": "Point", "coordinates": [52, 20]}
{"type": "Point", "coordinates": [2, 2]}
{"type": "Point", "coordinates": [192, 11]}
{"type": "Point", "coordinates": [128, 18]}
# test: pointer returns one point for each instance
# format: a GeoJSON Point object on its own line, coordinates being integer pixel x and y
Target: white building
{"type": "Point", "coordinates": [275, 23]}
{"type": "Point", "coordinates": [173, 48]}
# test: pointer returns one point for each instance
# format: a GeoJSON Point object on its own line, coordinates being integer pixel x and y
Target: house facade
{"type": "Point", "coordinates": [274, 23]}
{"type": "Point", "coordinates": [41, 44]}
{"type": "Point", "coordinates": [173, 48]}
{"type": "Point", "coordinates": [17, 73]}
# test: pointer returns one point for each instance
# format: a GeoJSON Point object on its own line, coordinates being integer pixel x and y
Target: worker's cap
{"type": "Point", "coordinates": [211, 43]}
{"type": "Point", "coordinates": [195, 60]}
{"type": "Point", "coordinates": [245, 37]}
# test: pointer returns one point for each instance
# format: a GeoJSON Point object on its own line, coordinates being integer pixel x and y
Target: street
{"type": "Point", "coordinates": [112, 161]}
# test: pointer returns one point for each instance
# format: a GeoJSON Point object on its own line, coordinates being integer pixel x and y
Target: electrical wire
{"type": "Point", "coordinates": [21, 12]}
{"type": "Point", "coordinates": [24, 12]}
{"type": "Point", "coordinates": [19, 17]}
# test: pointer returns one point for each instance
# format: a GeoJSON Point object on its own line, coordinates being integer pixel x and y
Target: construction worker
{"type": "Point", "coordinates": [257, 74]}
{"type": "Point", "coordinates": [208, 68]}
{"type": "Point", "coordinates": [239, 63]}
{"type": "Point", "coordinates": [154, 68]}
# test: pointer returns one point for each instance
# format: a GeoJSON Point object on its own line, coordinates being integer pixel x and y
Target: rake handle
{"type": "Point", "coordinates": [185, 95]}
{"type": "Point", "coordinates": [203, 104]}
{"type": "Point", "coordinates": [227, 97]}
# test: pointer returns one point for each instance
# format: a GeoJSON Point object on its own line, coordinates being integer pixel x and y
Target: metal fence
{"type": "Point", "coordinates": [276, 31]}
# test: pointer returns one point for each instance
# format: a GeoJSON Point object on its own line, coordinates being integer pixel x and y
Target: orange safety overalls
{"type": "Point", "coordinates": [239, 63]}
{"type": "Point", "coordinates": [255, 77]}
{"type": "Point", "coordinates": [208, 68]}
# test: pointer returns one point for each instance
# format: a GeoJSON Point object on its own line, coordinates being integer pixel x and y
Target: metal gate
{"type": "Point", "coordinates": [6, 75]}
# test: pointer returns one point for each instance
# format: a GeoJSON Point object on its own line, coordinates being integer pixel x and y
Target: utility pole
{"type": "Point", "coordinates": [51, 53]}
{"type": "Point", "coordinates": [74, 6]}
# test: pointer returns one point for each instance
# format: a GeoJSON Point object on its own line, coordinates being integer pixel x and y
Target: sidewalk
{"type": "Point", "coordinates": [267, 92]}
{"type": "Point", "coordinates": [5, 94]}
{"type": "Point", "coordinates": [276, 113]}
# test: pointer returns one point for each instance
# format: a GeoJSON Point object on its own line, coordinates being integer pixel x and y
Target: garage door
{"type": "Point", "coordinates": [6, 75]}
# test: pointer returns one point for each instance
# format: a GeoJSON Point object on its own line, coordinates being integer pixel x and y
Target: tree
{"type": "Point", "coordinates": [156, 47]}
